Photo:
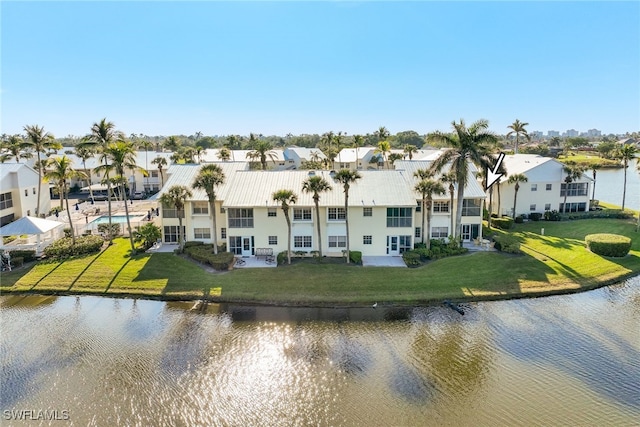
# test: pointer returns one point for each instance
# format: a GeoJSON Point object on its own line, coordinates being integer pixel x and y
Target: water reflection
{"type": "Point", "coordinates": [570, 360]}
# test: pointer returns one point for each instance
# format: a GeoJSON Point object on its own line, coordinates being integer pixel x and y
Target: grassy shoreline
{"type": "Point", "coordinates": [554, 263]}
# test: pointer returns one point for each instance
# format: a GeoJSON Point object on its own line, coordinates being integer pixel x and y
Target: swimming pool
{"type": "Point", "coordinates": [116, 219]}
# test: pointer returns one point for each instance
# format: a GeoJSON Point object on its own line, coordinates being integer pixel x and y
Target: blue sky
{"type": "Point", "coordinates": [163, 68]}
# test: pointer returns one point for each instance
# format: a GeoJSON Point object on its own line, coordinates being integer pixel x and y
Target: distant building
{"type": "Point", "coordinates": [19, 192]}
{"type": "Point", "coordinates": [571, 133]}
{"type": "Point", "coordinates": [594, 133]}
{"type": "Point", "coordinates": [552, 133]}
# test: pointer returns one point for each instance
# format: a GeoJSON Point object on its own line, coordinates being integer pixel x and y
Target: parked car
{"type": "Point", "coordinates": [137, 195]}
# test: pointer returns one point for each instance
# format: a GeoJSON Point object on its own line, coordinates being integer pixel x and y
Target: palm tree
{"type": "Point", "coordinates": [85, 153]}
{"type": "Point", "coordinates": [122, 155]}
{"type": "Point", "coordinates": [209, 177]}
{"type": "Point", "coordinates": [381, 134]}
{"type": "Point", "coordinates": [466, 144]}
{"type": "Point", "coordinates": [573, 172]}
{"type": "Point", "coordinates": [516, 179]}
{"type": "Point", "coordinates": [594, 173]}
{"type": "Point", "coordinates": [358, 141]}
{"type": "Point", "coordinates": [39, 141]}
{"type": "Point", "coordinates": [14, 147]}
{"type": "Point", "coordinates": [450, 178]}
{"type": "Point", "coordinates": [384, 148]}
{"type": "Point", "coordinates": [286, 198]}
{"type": "Point", "coordinates": [393, 157]}
{"type": "Point", "coordinates": [517, 129]}
{"type": "Point", "coordinates": [224, 154]}
{"type": "Point", "coordinates": [347, 177]}
{"type": "Point", "coordinates": [626, 153]}
{"type": "Point", "coordinates": [177, 196]}
{"type": "Point", "coordinates": [316, 185]}
{"type": "Point", "coordinates": [232, 143]}
{"type": "Point", "coordinates": [60, 170]}
{"type": "Point", "coordinates": [427, 188]}
{"type": "Point", "coordinates": [409, 150]}
{"type": "Point", "coordinates": [262, 150]}
{"type": "Point", "coordinates": [161, 162]}
{"type": "Point", "coordinates": [172, 143]}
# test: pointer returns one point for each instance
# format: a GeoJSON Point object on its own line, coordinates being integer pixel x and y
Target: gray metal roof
{"type": "Point", "coordinates": [473, 188]}
{"type": "Point", "coordinates": [186, 174]}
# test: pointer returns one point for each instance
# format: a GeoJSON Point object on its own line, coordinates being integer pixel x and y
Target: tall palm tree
{"type": "Point", "coordinates": [161, 162]}
{"type": "Point", "coordinates": [384, 148]}
{"type": "Point", "coordinates": [573, 172]}
{"type": "Point", "coordinates": [358, 141]}
{"type": "Point", "coordinates": [224, 154]}
{"type": "Point", "coordinates": [381, 134]}
{"type": "Point", "coordinates": [172, 143]}
{"type": "Point", "coordinates": [262, 150]}
{"type": "Point", "coordinates": [232, 143]}
{"type": "Point", "coordinates": [450, 179]}
{"type": "Point", "coordinates": [517, 129]}
{"type": "Point", "coordinates": [122, 156]}
{"type": "Point", "coordinates": [101, 135]}
{"type": "Point", "coordinates": [286, 198]}
{"type": "Point", "coordinates": [594, 174]}
{"type": "Point", "coordinates": [14, 148]}
{"type": "Point", "coordinates": [626, 153]}
{"type": "Point", "coordinates": [466, 145]}
{"type": "Point", "coordinates": [85, 152]}
{"type": "Point", "coordinates": [347, 177]}
{"type": "Point", "coordinates": [516, 179]}
{"type": "Point", "coordinates": [316, 185]}
{"type": "Point", "coordinates": [210, 177]}
{"type": "Point", "coordinates": [427, 188]}
{"type": "Point", "coordinates": [39, 141]}
{"type": "Point", "coordinates": [409, 150]}
{"type": "Point", "coordinates": [177, 196]}
{"type": "Point", "coordinates": [60, 170]}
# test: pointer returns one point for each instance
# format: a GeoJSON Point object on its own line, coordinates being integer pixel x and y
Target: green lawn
{"type": "Point", "coordinates": [589, 160]}
{"type": "Point", "coordinates": [555, 262]}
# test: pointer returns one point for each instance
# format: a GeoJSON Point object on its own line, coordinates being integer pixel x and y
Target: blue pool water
{"type": "Point", "coordinates": [115, 219]}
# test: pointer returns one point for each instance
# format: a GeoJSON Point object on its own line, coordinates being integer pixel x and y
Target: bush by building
{"type": "Point", "coordinates": [203, 253]}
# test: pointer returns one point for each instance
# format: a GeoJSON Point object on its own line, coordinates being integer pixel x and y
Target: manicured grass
{"type": "Point", "coordinates": [555, 262]}
{"type": "Point", "coordinates": [589, 160]}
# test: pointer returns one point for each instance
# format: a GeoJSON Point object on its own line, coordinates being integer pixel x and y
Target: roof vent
{"type": "Point", "coordinates": [312, 173]}
{"type": "Point", "coordinates": [332, 174]}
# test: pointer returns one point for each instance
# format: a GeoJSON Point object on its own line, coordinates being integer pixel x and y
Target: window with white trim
{"type": "Point", "coordinates": [367, 211]}
{"type": "Point", "coordinates": [439, 232]}
{"type": "Point", "coordinates": [200, 208]}
{"type": "Point", "coordinates": [549, 187]}
{"type": "Point", "coordinates": [301, 241]}
{"type": "Point", "coordinates": [366, 240]}
{"type": "Point", "coordinates": [223, 232]}
{"type": "Point", "coordinates": [418, 205]}
{"type": "Point", "coordinates": [399, 217]}
{"type": "Point", "coordinates": [240, 218]}
{"type": "Point", "coordinates": [302, 214]}
{"type": "Point", "coordinates": [34, 190]}
{"type": "Point", "coordinates": [440, 206]}
{"type": "Point", "coordinates": [547, 206]}
{"type": "Point", "coordinates": [532, 207]}
{"type": "Point", "coordinates": [337, 241]}
{"type": "Point", "coordinates": [273, 240]}
{"type": "Point", "coordinates": [418, 232]}
{"type": "Point", "coordinates": [202, 233]}
{"type": "Point", "coordinates": [272, 212]}
{"type": "Point", "coordinates": [534, 187]}
{"type": "Point", "coordinates": [336, 214]}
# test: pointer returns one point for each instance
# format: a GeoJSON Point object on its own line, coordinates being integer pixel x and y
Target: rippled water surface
{"type": "Point", "coordinates": [565, 361]}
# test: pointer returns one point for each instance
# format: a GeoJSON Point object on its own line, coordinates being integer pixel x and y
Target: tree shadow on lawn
{"type": "Point", "coordinates": [85, 269]}
{"type": "Point", "coordinates": [554, 241]}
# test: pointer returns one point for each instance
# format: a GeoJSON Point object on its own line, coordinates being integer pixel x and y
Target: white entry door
{"type": "Point", "coordinates": [393, 247]}
{"type": "Point", "coordinates": [466, 232]}
{"type": "Point", "coordinates": [246, 246]}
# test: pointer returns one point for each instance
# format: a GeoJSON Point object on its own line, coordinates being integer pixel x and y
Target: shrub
{"type": "Point", "coordinates": [282, 257]}
{"type": "Point", "coordinates": [204, 254]}
{"type": "Point", "coordinates": [503, 223]}
{"type": "Point", "coordinates": [411, 258]}
{"type": "Point", "coordinates": [104, 228]}
{"type": "Point", "coordinates": [507, 244]}
{"type": "Point", "coordinates": [148, 235]}
{"type": "Point", "coordinates": [605, 244]}
{"type": "Point", "coordinates": [192, 243]}
{"type": "Point", "coordinates": [17, 262]}
{"type": "Point", "coordinates": [27, 255]}
{"type": "Point", "coordinates": [67, 232]}
{"type": "Point", "coordinates": [519, 219]}
{"type": "Point", "coordinates": [64, 247]}
{"type": "Point", "coordinates": [355, 257]}
{"type": "Point", "coordinates": [535, 216]}
{"type": "Point", "coordinates": [552, 215]}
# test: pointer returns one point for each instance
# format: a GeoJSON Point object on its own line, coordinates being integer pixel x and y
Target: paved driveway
{"type": "Point", "coordinates": [383, 261]}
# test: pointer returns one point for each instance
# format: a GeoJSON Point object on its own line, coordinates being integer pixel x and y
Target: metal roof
{"type": "Point", "coordinates": [186, 174]}
{"type": "Point", "coordinates": [473, 189]}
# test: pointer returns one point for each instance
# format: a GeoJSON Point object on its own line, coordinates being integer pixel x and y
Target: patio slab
{"type": "Point", "coordinates": [383, 261]}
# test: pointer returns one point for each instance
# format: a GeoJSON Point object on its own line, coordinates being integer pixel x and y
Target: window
{"type": "Point", "coordinates": [405, 243]}
{"type": "Point", "coordinates": [222, 210]}
{"type": "Point", "coordinates": [337, 241]}
{"type": "Point", "coordinates": [367, 211]}
{"type": "Point", "coordinates": [573, 189]}
{"type": "Point", "coordinates": [440, 207]}
{"type": "Point", "coordinates": [168, 212]}
{"type": "Point", "coordinates": [202, 233]}
{"type": "Point", "coordinates": [26, 193]}
{"type": "Point", "coordinates": [547, 207]}
{"type": "Point", "coordinates": [272, 212]}
{"type": "Point", "coordinates": [418, 233]}
{"type": "Point", "coordinates": [28, 212]}
{"type": "Point", "coordinates": [200, 208]}
{"type": "Point", "coordinates": [171, 233]}
{"type": "Point", "coordinates": [398, 217]}
{"type": "Point", "coordinates": [302, 214]}
{"type": "Point", "coordinates": [532, 207]}
{"type": "Point", "coordinates": [273, 240]}
{"type": "Point", "coordinates": [344, 165]}
{"type": "Point", "coordinates": [549, 187]}
{"type": "Point", "coordinates": [241, 218]}
{"type": "Point", "coordinates": [439, 232]}
{"type": "Point", "coordinates": [154, 174]}
{"type": "Point", "coordinates": [301, 241]}
{"type": "Point", "coordinates": [235, 245]}
{"type": "Point", "coordinates": [6, 219]}
{"type": "Point", "coordinates": [366, 240]}
{"type": "Point", "coordinates": [534, 187]}
{"type": "Point", "coordinates": [34, 190]}
{"type": "Point", "coordinates": [471, 207]}
{"type": "Point", "coordinates": [336, 214]}
{"type": "Point", "coordinates": [574, 207]}
{"type": "Point", "coordinates": [418, 205]}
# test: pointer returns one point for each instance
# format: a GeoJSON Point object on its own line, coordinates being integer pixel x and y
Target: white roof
{"type": "Point", "coordinates": [304, 152]}
{"type": "Point", "coordinates": [186, 174]}
{"type": "Point", "coordinates": [348, 155]}
{"type": "Point", "coordinates": [521, 163]}
{"type": "Point", "coordinates": [8, 168]}
{"type": "Point", "coordinates": [473, 189]}
{"type": "Point", "coordinates": [142, 159]}
{"type": "Point", "coordinates": [29, 225]}
{"type": "Point", "coordinates": [375, 188]}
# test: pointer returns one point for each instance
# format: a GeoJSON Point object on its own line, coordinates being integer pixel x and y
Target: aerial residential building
{"type": "Point", "coordinates": [19, 192]}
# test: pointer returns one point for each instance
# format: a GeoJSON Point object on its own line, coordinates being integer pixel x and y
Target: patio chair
{"type": "Point", "coordinates": [476, 241]}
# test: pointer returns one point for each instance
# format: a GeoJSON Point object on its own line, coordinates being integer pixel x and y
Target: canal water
{"type": "Point", "coordinates": [556, 361]}
{"type": "Point", "coordinates": [609, 184]}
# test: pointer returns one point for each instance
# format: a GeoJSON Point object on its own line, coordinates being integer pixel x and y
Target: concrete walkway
{"type": "Point", "coordinates": [383, 261]}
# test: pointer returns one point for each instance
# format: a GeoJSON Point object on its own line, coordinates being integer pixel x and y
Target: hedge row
{"type": "Point", "coordinates": [605, 244]}
{"type": "Point", "coordinates": [25, 254]}
{"type": "Point", "coordinates": [64, 247]}
{"type": "Point", "coordinates": [439, 249]}
{"type": "Point", "coordinates": [504, 223]}
{"type": "Point", "coordinates": [204, 253]}
{"type": "Point", "coordinates": [355, 257]}
{"type": "Point", "coordinates": [506, 243]}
